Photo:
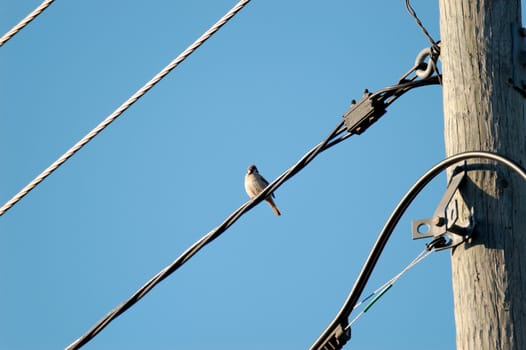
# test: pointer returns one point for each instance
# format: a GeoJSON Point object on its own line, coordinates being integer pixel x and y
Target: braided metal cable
{"type": "Point", "coordinates": [127, 104]}
{"type": "Point", "coordinates": [5, 38]}
{"type": "Point", "coordinates": [413, 14]}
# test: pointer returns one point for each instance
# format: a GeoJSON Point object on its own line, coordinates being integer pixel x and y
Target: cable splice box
{"type": "Point", "coordinates": [363, 114]}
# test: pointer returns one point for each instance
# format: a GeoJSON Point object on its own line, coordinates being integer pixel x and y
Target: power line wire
{"type": "Point", "coordinates": [206, 239]}
{"type": "Point", "coordinates": [384, 97]}
{"type": "Point", "coordinates": [143, 90]}
{"type": "Point", "coordinates": [5, 38]}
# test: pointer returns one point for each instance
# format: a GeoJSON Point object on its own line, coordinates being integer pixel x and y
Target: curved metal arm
{"type": "Point", "coordinates": [326, 340]}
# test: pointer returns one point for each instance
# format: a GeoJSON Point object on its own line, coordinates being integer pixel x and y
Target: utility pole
{"type": "Point", "coordinates": [483, 76]}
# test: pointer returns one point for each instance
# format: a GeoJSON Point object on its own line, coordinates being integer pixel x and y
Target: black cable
{"type": "Point", "coordinates": [360, 283]}
{"type": "Point", "coordinates": [206, 239]}
{"type": "Point", "coordinates": [336, 136]}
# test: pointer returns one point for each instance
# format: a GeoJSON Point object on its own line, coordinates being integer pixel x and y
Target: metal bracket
{"type": "Point", "coordinates": [444, 226]}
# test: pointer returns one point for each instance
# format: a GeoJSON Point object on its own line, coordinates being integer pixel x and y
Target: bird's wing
{"type": "Point", "coordinates": [265, 184]}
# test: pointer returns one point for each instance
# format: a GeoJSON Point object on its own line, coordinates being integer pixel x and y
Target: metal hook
{"type": "Point", "coordinates": [430, 66]}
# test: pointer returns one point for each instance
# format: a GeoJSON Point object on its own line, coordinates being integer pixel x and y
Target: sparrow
{"type": "Point", "coordinates": [255, 183]}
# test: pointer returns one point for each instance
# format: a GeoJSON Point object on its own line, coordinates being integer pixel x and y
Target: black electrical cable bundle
{"type": "Point", "coordinates": [385, 97]}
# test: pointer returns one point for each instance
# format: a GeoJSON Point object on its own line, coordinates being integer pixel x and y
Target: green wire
{"type": "Point", "coordinates": [377, 297]}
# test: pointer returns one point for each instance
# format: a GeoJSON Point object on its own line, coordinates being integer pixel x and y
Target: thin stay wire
{"type": "Point", "coordinates": [434, 44]}
{"type": "Point", "coordinates": [127, 104]}
{"type": "Point", "coordinates": [5, 38]}
{"type": "Point", "coordinates": [380, 291]}
{"type": "Point", "coordinates": [209, 237]}
{"type": "Point", "coordinates": [413, 14]}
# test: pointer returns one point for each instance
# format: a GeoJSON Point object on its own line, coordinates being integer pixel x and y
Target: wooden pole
{"type": "Point", "coordinates": [484, 110]}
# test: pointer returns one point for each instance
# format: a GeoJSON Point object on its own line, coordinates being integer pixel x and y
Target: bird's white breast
{"type": "Point", "coordinates": [252, 185]}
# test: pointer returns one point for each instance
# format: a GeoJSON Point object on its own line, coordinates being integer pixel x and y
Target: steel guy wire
{"type": "Point", "coordinates": [5, 38]}
{"type": "Point", "coordinates": [127, 104]}
{"type": "Point", "coordinates": [203, 241]}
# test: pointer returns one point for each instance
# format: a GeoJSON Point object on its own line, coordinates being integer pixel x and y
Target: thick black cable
{"type": "Point", "coordinates": [383, 237]}
{"type": "Point", "coordinates": [206, 239]}
{"type": "Point", "coordinates": [336, 136]}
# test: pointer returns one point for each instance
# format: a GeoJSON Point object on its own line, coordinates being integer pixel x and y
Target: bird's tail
{"type": "Point", "coordinates": [273, 206]}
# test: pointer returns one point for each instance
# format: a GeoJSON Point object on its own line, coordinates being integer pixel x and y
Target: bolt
{"type": "Point", "coordinates": [439, 221]}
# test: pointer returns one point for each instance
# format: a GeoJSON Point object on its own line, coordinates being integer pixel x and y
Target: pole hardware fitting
{"type": "Point", "coordinates": [338, 338]}
{"type": "Point", "coordinates": [363, 114]}
{"type": "Point", "coordinates": [424, 69]}
{"type": "Point", "coordinates": [360, 116]}
{"type": "Point", "coordinates": [445, 227]}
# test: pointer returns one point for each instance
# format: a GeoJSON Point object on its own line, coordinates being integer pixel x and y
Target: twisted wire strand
{"type": "Point", "coordinates": [420, 257]}
{"type": "Point", "coordinates": [44, 5]}
{"type": "Point", "coordinates": [413, 14]}
{"type": "Point", "coordinates": [127, 104]}
{"type": "Point", "coordinates": [203, 241]}
{"type": "Point", "coordinates": [338, 135]}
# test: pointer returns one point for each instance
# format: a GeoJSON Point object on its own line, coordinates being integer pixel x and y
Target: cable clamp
{"type": "Point", "coordinates": [338, 338]}
{"type": "Point", "coordinates": [363, 114]}
{"type": "Point", "coordinates": [445, 227]}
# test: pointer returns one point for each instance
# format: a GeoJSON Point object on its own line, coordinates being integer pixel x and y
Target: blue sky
{"type": "Point", "coordinates": [264, 90]}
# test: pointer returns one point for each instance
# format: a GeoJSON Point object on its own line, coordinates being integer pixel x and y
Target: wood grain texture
{"type": "Point", "coordinates": [482, 111]}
